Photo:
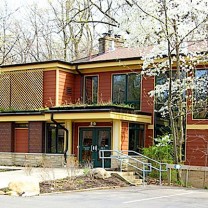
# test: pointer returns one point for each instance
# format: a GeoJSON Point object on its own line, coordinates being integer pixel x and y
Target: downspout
{"type": "Point", "coordinates": [81, 82]}
{"type": "Point", "coordinates": [67, 136]}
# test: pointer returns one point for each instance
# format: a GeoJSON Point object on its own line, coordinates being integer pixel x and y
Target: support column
{"type": "Point", "coordinates": [69, 127]}
{"type": "Point", "coordinates": [116, 135]}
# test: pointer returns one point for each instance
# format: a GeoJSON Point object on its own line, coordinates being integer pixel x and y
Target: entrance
{"type": "Point", "coordinates": [91, 140]}
{"type": "Point", "coordinates": [136, 137]}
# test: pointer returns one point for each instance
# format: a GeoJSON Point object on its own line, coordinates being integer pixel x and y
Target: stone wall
{"type": "Point", "coordinates": [31, 159]}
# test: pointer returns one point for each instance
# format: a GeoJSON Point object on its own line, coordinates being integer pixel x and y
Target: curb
{"type": "Point", "coordinates": [81, 190]}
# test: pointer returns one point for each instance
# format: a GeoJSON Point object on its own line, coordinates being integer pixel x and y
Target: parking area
{"type": "Point", "coordinates": [134, 197]}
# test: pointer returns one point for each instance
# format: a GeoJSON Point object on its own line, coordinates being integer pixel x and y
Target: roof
{"type": "Point", "coordinates": [138, 53]}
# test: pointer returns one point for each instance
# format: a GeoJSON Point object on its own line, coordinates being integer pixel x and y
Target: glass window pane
{"type": "Point", "coordinates": [200, 100]}
{"type": "Point", "coordinates": [60, 143]}
{"type": "Point", "coordinates": [91, 90]}
{"type": "Point", "coordinates": [133, 88]}
{"type": "Point", "coordinates": [119, 88]}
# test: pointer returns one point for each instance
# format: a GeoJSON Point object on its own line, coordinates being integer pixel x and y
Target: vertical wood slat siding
{"type": "Point", "coordinates": [21, 140]}
{"type": "Point", "coordinates": [66, 80]}
{"type": "Point", "coordinates": [77, 89]}
{"type": "Point", "coordinates": [104, 87]}
{"type": "Point", "coordinates": [147, 102]}
{"type": "Point", "coordinates": [148, 137]}
{"type": "Point", "coordinates": [124, 136]}
{"type": "Point", "coordinates": [197, 147]}
{"type": "Point", "coordinates": [49, 88]}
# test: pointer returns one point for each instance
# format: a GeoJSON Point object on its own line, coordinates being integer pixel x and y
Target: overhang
{"type": "Point", "coordinates": [95, 113]}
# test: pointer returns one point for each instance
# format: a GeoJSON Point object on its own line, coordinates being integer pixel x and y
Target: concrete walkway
{"type": "Point", "coordinates": [39, 174]}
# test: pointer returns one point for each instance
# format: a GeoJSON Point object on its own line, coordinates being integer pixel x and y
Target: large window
{"type": "Point", "coordinates": [200, 100]}
{"type": "Point", "coordinates": [55, 139]}
{"type": "Point", "coordinates": [91, 89]}
{"type": "Point", "coordinates": [127, 89]}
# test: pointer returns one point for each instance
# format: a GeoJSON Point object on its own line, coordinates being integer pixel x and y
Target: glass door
{"type": "Point", "coordinates": [91, 141]}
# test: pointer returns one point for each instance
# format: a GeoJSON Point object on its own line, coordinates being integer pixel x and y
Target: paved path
{"type": "Point", "coordinates": [134, 197]}
{"type": "Point", "coordinates": [39, 174]}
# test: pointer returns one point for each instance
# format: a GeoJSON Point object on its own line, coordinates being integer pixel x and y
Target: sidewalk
{"type": "Point", "coordinates": [39, 174]}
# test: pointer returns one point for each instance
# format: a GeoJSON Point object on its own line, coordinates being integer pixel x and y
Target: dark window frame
{"type": "Point", "coordinates": [59, 140]}
{"type": "Point", "coordinates": [134, 102]}
{"type": "Point", "coordinates": [94, 98]}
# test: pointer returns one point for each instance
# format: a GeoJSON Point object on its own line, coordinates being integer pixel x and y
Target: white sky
{"type": "Point", "coordinates": [20, 3]}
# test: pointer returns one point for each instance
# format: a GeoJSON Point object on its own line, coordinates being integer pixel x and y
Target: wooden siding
{"type": "Point", "coordinates": [147, 102]}
{"type": "Point", "coordinates": [104, 87]}
{"type": "Point", "coordinates": [66, 80]}
{"type": "Point", "coordinates": [124, 136]}
{"type": "Point", "coordinates": [21, 140]}
{"type": "Point", "coordinates": [197, 147]}
{"type": "Point", "coordinates": [78, 79]}
{"type": "Point", "coordinates": [49, 88]}
{"type": "Point", "coordinates": [148, 137]}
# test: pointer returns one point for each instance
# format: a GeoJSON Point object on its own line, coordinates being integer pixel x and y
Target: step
{"type": "Point", "coordinates": [131, 179]}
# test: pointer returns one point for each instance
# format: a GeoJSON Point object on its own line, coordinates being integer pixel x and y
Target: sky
{"type": "Point", "coordinates": [21, 3]}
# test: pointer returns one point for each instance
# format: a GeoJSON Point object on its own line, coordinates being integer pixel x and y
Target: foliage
{"type": "Point", "coordinates": [162, 151]}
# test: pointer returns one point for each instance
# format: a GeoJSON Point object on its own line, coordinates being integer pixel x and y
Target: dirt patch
{"type": "Point", "coordinates": [79, 183]}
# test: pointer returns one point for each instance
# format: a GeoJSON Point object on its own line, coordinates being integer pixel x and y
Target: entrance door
{"type": "Point", "coordinates": [91, 140]}
{"type": "Point", "coordinates": [21, 140]}
{"type": "Point", "coordinates": [136, 137]}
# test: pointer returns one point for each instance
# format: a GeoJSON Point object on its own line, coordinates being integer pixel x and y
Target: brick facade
{"type": "Point", "coordinates": [6, 137]}
{"type": "Point", "coordinates": [36, 135]}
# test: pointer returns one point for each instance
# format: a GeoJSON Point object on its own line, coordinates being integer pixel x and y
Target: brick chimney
{"type": "Point", "coordinates": [110, 42]}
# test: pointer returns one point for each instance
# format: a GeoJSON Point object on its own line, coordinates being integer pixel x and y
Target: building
{"type": "Point", "coordinates": [52, 110]}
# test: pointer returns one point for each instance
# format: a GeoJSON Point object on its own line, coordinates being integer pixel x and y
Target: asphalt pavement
{"type": "Point", "coordinates": [130, 197]}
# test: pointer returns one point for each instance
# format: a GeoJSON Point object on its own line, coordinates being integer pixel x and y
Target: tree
{"type": "Point", "coordinates": [8, 37]}
{"type": "Point", "coordinates": [168, 26]}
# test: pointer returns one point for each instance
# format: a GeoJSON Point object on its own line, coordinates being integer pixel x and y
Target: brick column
{"type": "Point", "coordinates": [6, 137]}
{"type": "Point", "coordinates": [36, 137]}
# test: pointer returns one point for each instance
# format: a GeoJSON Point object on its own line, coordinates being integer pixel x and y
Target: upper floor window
{"type": "Point", "coordinates": [127, 89]}
{"type": "Point", "coordinates": [200, 100]}
{"type": "Point", "coordinates": [91, 90]}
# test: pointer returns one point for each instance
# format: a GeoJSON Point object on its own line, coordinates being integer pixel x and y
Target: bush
{"type": "Point", "coordinates": [162, 152]}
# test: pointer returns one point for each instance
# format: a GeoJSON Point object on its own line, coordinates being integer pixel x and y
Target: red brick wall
{"type": "Point", "coordinates": [6, 137]}
{"type": "Point", "coordinates": [66, 80]}
{"type": "Point", "coordinates": [197, 147]}
{"type": "Point", "coordinates": [49, 88]}
{"type": "Point", "coordinates": [36, 137]}
{"type": "Point", "coordinates": [124, 136]}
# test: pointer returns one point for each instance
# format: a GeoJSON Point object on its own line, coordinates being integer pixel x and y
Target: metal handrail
{"type": "Point", "coordinates": [160, 169]}
{"type": "Point", "coordinates": [121, 157]}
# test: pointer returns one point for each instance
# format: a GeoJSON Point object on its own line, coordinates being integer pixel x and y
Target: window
{"type": "Point", "coordinates": [55, 139]}
{"type": "Point", "coordinates": [91, 90]}
{"type": "Point", "coordinates": [200, 100]}
{"type": "Point", "coordinates": [127, 89]}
